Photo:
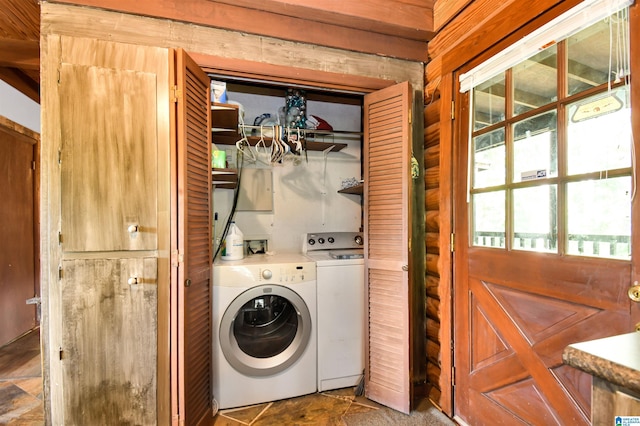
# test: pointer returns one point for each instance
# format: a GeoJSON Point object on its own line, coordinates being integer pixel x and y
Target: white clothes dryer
{"type": "Point", "coordinates": [339, 258]}
{"type": "Point", "coordinates": [264, 337]}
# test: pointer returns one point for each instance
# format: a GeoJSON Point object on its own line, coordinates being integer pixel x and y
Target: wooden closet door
{"type": "Point", "coordinates": [17, 254]}
{"type": "Point", "coordinates": [108, 159]}
{"type": "Point", "coordinates": [387, 159]}
{"type": "Point", "coordinates": [194, 241]}
{"type": "Point", "coordinates": [105, 137]}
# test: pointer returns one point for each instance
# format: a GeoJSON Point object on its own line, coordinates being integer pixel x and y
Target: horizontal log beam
{"type": "Point", "coordinates": [252, 21]}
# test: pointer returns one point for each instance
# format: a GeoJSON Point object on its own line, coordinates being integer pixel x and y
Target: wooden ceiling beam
{"type": "Point", "coordinates": [406, 20]}
{"type": "Point", "coordinates": [253, 21]}
{"type": "Point", "coordinates": [22, 82]}
{"type": "Point", "coordinates": [19, 53]}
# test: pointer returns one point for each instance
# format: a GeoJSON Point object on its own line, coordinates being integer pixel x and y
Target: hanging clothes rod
{"type": "Point", "coordinates": [293, 130]}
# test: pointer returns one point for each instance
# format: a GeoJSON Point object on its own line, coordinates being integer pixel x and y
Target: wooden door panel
{"type": "Point", "coordinates": [108, 371]}
{"type": "Point", "coordinates": [193, 130]}
{"type": "Point", "coordinates": [17, 253]}
{"type": "Point", "coordinates": [515, 346]}
{"type": "Point", "coordinates": [108, 159]}
{"type": "Point", "coordinates": [387, 188]}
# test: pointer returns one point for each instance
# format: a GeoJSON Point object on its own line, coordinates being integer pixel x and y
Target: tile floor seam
{"type": "Point", "coordinates": [261, 413]}
{"type": "Point", "coordinates": [235, 420]}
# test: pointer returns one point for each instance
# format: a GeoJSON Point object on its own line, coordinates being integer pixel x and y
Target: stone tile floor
{"type": "Point", "coordinates": [333, 408]}
{"type": "Point", "coordinates": [21, 382]}
{"type": "Point", "coordinates": [21, 400]}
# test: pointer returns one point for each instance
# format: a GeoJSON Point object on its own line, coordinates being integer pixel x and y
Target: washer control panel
{"type": "Point", "coordinates": [263, 269]}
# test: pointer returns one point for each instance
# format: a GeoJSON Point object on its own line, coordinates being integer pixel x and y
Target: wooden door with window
{"type": "Point", "coordinates": [543, 256]}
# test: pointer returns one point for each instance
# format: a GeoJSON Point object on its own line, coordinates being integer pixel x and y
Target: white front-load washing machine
{"type": "Point", "coordinates": [264, 337]}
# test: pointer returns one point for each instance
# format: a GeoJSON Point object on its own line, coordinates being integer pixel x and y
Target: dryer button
{"type": "Point", "coordinates": [267, 274]}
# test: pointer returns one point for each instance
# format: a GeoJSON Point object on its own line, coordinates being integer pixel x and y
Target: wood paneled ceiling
{"type": "Point", "coordinates": [19, 45]}
{"type": "Point", "coordinates": [394, 28]}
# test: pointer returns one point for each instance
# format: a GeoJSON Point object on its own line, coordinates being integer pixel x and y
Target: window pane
{"type": "Point", "coordinates": [599, 217]}
{"type": "Point", "coordinates": [593, 50]}
{"type": "Point", "coordinates": [535, 81]}
{"type": "Point", "coordinates": [489, 219]}
{"type": "Point", "coordinates": [489, 159]}
{"type": "Point", "coordinates": [534, 219]}
{"type": "Point", "coordinates": [488, 102]}
{"type": "Point", "coordinates": [535, 148]}
{"type": "Point", "coordinates": [599, 133]}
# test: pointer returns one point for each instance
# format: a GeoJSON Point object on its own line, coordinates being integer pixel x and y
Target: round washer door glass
{"type": "Point", "coordinates": [265, 330]}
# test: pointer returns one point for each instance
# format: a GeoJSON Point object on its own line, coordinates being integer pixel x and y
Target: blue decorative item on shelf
{"type": "Point", "coordinates": [296, 109]}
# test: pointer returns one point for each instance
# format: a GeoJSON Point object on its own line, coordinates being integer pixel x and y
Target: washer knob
{"type": "Point", "coordinates": [267, 274]}
{"type": "Point", "coordinates": [321, 240]}
{"type": "Point", "coordinates": [311, 241]}
{"type": "Point", "coordinates": [331, 240]}
{"type": "Point", "coordinates": [358, 240]}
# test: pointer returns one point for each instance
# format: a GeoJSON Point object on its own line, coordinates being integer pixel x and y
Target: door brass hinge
{"type": "Point", "coordinates": [452, 242]}
{"type": "Point", "coordinates": [33, 165]}
{"type": "Point", "coordinates": [453, 110]}
{"type": "Point", "coordinates": [59, 238]}
{"type": "Point", "coordinates": [176, 258]}
{"type": "Point", "coordinates": [60, 273]}
{"type": "Point", "coordinates": [176, 94]}
{"type": "Point", "coordinates": [59, 157]}
{"type": "Point", "coordinates": [453, 376]}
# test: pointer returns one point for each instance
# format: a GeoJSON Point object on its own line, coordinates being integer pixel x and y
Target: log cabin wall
{"type": "Point", "coordinates": [467, 33]}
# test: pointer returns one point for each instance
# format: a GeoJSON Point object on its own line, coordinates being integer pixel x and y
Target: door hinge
{"type": "Point", "coordinates": [176, 258]}
{"type": "Point", "coordinates": [453, 110]}
{"type": "Point", "coordinates": [59, 156]}
{"type": "Point", "coordinates": [452, 242]}
{"type": "Point", "coordinates": [453, 376]}
{"type": "Point", "coordinates": [60, 353]}
{"type": "Point", "coordinates": [176, 94]}
{"type": "Point", "coordinates": [410, 116]}
{"type": "Point", "coordinates": [33, 165]}
{"type": "Point", "coordinates": [59, 238]}
{"type": "Point", "coordinates": [59, 74]}
{"type": "Point", "coordinates": [60, 273]}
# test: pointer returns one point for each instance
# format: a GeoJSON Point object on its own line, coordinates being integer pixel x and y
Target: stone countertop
{"type": "Point", "coordinates": [615, 359]}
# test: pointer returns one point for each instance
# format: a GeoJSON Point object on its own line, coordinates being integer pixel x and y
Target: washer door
{"type": "Point", "coordinates": [265, 330]}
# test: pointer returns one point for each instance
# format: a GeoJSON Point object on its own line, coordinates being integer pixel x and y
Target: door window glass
{"type": "Point", "coordinates": [535, 81]}
{"type": "Point", "coordinates": [535, 148]}
{"type": "Point", "coordinates": [489, 159]}
{"type": "Point", "coordinates": [587, 68]}
{"type": "Point", "coordinates": [599, 213]}
{"type": "Point", "coordinates": [599, 133]}
{"type": "Point", "coordinates": [489, 102]}
{"type": "Point", "coordinates": [554, 173]}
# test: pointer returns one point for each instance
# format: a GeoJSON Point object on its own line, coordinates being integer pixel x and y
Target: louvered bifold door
{"type": "Point", "coordinates": [387, 158]}
{"type": "Point", "coordinates": [194, 241]}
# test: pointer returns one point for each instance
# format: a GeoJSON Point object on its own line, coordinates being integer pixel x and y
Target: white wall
{"type": "Point", "coordinates": [19, 108]}
{"type": "Point", "coordinates": [305, 197]}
